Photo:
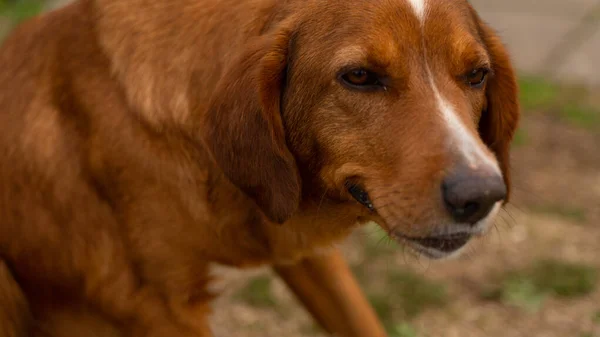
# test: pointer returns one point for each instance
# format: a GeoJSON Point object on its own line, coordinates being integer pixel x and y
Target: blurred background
{"type": "Point", "coordinates": [537, 272]}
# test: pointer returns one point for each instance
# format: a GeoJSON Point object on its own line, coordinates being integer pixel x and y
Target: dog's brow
{"type": "Point", "coordinates": [348, 55]}
{"type": "Point", "coordinates": [471, 51]}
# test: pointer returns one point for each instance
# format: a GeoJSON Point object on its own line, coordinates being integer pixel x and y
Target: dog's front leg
{"type": "Point", "coordinates": [325, 285]}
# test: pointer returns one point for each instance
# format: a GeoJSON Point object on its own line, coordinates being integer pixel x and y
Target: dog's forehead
{"type": "Point", "coordinates": [437, 23]}
{"type": "Point", "coordinates": [404, 17]}
{"type": "Point", "coordinates": [392, 33]}
{"type": "Point", "coordinates": [423, 8]}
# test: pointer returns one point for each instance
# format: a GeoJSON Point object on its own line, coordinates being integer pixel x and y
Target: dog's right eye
{"type": "Point", "coordinates": [361, 79]}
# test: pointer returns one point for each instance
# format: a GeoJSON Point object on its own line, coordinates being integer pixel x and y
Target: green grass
{"type": "Point", "coordinates": [521, 138]}
{"type": "Point", "coordinates": [19, 10]}
{"type": "Point", "coordinates": [383, 308]}
{"type": "Point", "coordinates": [596, 317]}
{"type": "Point", "coordinates": [406, 296]}
{"type": "Point", "coordinates": [572, 213]}
{"type": "Point", "coordinates": [386, 312]}
{"type": "Point", "coordinates": [416, 293]}
{"type": "Point", "coordinates": [581, 115]}
{"type": "Point", "coordinates": [311, 328]}
{"type": "Point", "coordinates": [521, 291]}
{"type": "Point", "coordinates": [565, 279]}
{"type": "Point", "coordinates": [529, 287]}
{"type": "Point", "coordinates": [257, 293]}
{"type": "Point", "coordinates": [404, 330]}
{"type": "Point", "coordinates": [536, 93]}
{"type": "Point", "coordinates": [569, 103]}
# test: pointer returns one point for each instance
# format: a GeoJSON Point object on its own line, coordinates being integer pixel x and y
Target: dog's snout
{"type": "Point", "coordinates": [470, 195]}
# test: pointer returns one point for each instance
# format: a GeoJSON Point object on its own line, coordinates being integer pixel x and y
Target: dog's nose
{"type": "Point", "coordinates": [470, 194]}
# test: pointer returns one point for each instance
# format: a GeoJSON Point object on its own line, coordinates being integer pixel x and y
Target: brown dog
{"type": "Point", "coordinates": [144, 141]}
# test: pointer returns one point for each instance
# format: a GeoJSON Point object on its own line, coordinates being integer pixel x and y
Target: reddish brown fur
{"type": "Point", "coordinates": [141, 141]}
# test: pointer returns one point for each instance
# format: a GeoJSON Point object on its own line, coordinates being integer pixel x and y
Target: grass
{"type": "Point", "coordinates": [383, 308]}
{"type": "Point", "coordinates": [385, 311]}
{"type": "Point", "coordinates": [19, 10]}
{"type": "Point", "coordinates": [404, 330]}
{"type": "Point", "coordinates": [257, 293]}
{"type": "Point", "coordinates": [521, 291]}
{"type": "Point", "coordinates": [581, 115]}
{"type": "Point", "coordinates": [569, 103]}
{"type": "Point", "coordinates": [416, 293]}
{"type": "Point", "coordinates": [407, 295]}
{"type": "Point", "coordinates": [537, 93]}
{"type": "Point", "coordinates": [311, 328]}
{"type": "Point", "coordinates": [520, 138]}
{"type": "Point", "coordinates": [529, 287]}
{"type": "Point", "coordinates": [565, 279]}
{"type": "Point", "coordinates": [572, 213]}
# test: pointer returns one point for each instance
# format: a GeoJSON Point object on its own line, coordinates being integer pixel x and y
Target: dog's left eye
{"type": "Point", "coordinates": [361, 79]}
{"type": "Point", "coordinates": [477, 77]}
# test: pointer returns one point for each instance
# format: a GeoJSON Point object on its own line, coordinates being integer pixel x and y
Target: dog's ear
{"type": "Point", "coordinates": [500, 117]}
{"type": "Point", "coordinates": [243, 128]}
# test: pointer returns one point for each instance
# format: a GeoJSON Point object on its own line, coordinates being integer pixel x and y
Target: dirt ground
{"type": "Point", "coordinates": [554, 214]}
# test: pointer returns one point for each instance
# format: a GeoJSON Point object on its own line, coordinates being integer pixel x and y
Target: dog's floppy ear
{"type": "Point", "coordinates": [500, 118]}
{"type": "Point", "coordinates": [243, 128]}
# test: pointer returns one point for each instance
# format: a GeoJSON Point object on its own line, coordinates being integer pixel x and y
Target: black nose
{"type": "Point", "coordinates": [470, 195]}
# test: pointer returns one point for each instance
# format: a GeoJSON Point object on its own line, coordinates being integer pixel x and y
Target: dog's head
{"type": "Point", "coordinates": [407, 107]}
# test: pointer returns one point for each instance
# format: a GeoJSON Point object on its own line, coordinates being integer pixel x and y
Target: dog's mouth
{"type": "Point", "coordinates": [437, 246]}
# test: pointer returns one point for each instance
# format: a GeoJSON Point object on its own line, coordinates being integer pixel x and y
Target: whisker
{"type": "Point", "coordinates": [510, 215]}
{"type": "Point", "coordinates": [530, 193]}
{"type": "Point", "coordinates": [469, 253]}
{"type": "Point", "coordinates": [498, 233]}
{"type": "Point", "coordinates": [505, 222]}
{"type": "Point", "coordinates": [501, 223]}
{"type": "Point", "coordinates": [523, 211]}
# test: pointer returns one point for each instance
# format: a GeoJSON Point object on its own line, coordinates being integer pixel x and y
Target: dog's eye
{"type": "Point", "coordinates": [360, 195]}
{"type": "Point", "coordinates": [477, 77]}
{"type": "Point", "coordinates": [361, 79]}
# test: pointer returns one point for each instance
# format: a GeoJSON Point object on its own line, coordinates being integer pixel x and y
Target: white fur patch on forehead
{"type": "Point", "coordinates": [419, 8]}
